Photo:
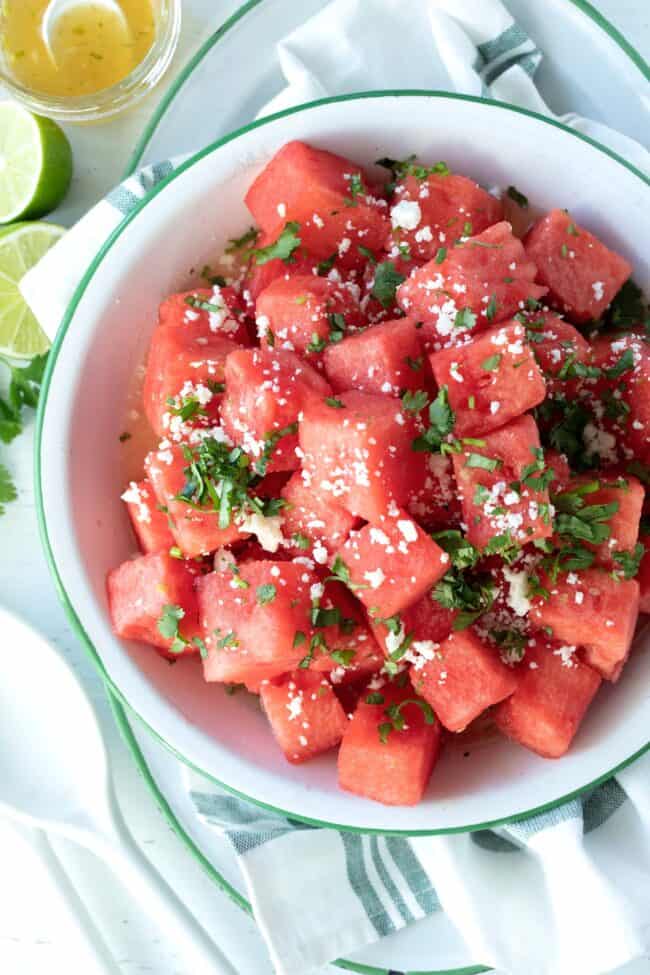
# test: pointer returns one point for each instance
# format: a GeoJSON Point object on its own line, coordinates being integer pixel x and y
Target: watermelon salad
{"type": "Point", "coordinates": [399, 481]}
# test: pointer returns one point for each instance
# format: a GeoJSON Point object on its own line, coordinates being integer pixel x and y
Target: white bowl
{"type": "Point", "coordinates": [80, 470]}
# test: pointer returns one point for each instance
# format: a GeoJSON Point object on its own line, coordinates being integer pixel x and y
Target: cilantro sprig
{"type": "Point", "coordinates": [282, 248]}
{"type": "Point", "coordinates": [23, 392]}
{"type": "Point", "coordinates": [387, 281]}
{"type": "Point", "coordinates": [441, 424]}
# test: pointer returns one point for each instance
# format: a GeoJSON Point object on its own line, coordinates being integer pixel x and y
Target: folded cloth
{"type": "Point", "coordinates": [563, 893]}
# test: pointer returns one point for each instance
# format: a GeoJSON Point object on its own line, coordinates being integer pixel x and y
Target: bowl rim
{"type": "Point", "coordinates": [65, 599]}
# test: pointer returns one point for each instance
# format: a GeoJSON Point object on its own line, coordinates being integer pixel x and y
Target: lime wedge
{"type": "Point", "coordinates": [21, 247]}
{"type": "Point", "coordinates": [35, 164]}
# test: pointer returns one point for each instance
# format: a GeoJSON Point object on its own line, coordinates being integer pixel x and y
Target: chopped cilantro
{"type": "Point", "coordinates": [396, 720]}
{"type": "Point", "coordinates": [491, 309]}
{"type": "Point", "coordinates": [630, 561]}
{"type": "Point", "coordinates": [282, 248]}
{"type": "Point", "coordinates": [123, 437]}
{"type": "Point", "coordinates": [387, 280]}
{"type": "Point", "coordinates": [168, 627]}
{"type": "Point", "coordinates": [301, 541]}
{"type": "Point", "coordinates": [414, 401]}
{"type": "Point", "coordinates": [624, 364]}
{"type": "Point", "coordinates": [195, 302]}
{"type": "Point", "coordinates": [299, 638]}
{"type": "Point", "coordinates": [375, 698]}
{"type": "Point", "coordinates": [367, 253]}
{"type": "Point", "coordinates": [484, 463]}
{"type": "Point", "coordinates": [341, 573]}
{"type": "Point", "coordinates": [266, 593]}
{"type": "Point", "coordinates": [465, 318]}
{"type": "Point", "coordinates": [317, 343]}
{"type": "Point", "coordinates": [441, 254]}
{"type": "Point", "coordinates": [270, 443]}
{"type": "Point", "coordinates": [492, 362]}
{"type": "Point", "coordinates": [415, 364]}
{"type": "Point", "coordinates": [356, 189]}
{"type": "Point", "coordinates": [335, 403]}
{"type": "Point", "coordinates": [463, 554]}
{"type": "Point", "coordinates": [343, 657]}
{"type": "Point", "coordinates": [471, 596]}
{"type": "Point", "coordinates": [441, 423]}
{"type": "Point", "coordinates": [229, 640]}
{"type": "Point", "coordinates": [238, 243]}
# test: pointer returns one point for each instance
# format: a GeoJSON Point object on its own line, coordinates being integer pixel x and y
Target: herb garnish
{"type": "Point", "coordinates": [282, 248]}
{"type": "Point", "coordinates": [387, 280]}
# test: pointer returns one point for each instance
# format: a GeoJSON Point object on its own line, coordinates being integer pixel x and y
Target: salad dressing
{"type": "Point", "coordinates": [91, 47]}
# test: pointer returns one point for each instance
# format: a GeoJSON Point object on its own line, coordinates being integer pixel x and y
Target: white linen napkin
{"type": "Point", "coordinates": [565, 893]}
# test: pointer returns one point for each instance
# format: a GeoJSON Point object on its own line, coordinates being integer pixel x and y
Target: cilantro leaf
{"type": "Point", "coordinates": [282, 248]}
{"type": "Point", "coordinates": [415, 400]}
{"type": "Point", "coordinates": [237, 243]}
{"type": "Point", "coordinates": [387, 280]}
{"type": "Point", "coordinates": [441, 423]}
{"type": "Point", "coordinates": [7, 488]}
{"type": "Point", "coordinates": [630, 561]}
{"type": "Point", "coordinates": [463, 554]}
{"type": "Point", "coordinates": [465, 318]}
{"type": "Point", "coordinates": [266, 593]}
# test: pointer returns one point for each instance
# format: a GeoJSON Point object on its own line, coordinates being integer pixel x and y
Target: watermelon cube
{"type": "Point", "coordinates": [390, 563]}
{"type": "Point", "coordinates": [304, 313]}
{"type": "Point", "coordinates": [554, 690]}
{"type": "Point", "coordinates": [255, 621]}
{"type": "Point", "coordinates": [196, 532]}
{"type": "Point", "coordinates": [150, 524]}
{"type": "Point", "coordinates": [224, 315]}
{"type": "Point", "coordinates": [594, 610]}
{"type": "Point", "coordinates": [435, 504]}
{"type": "Point", "coordinates": [358, 452]}
{"type": "Point", "coordinates": [464, 677]}
{"type": "Point", "coordinates": [385, 759]}
{"type": "Point", "coordinates": [619, 429]}
{"type": "Point", "coordinates": [481, 280]}
{"type": "Point", "coordinates": [383, 359]}
{"type": "Point", "coordinates": [313, 524]}
{"type": "Point", "coordinates": [184, 364]}
{"type": "Point", "coordinates": [582, 275]}
{"type": "Point", "coordinates": [491, 379]}
{"type": "Point", "coordinates": [266, 391]}
{"type": "Point", "coordinates": [623, 524]}
{"type": "Point", "coordinates": [440, 208]}
{"type": "Point", "coordinates": [327, 195]}
{"type": "Point", "coordinates": [305, 715]}
{"type": "Point", "coordinates": [139, 591]}
{"type": "Point", "coordinates": [499, 488]}
{"type": "Point", "coordinates": [560, 350]}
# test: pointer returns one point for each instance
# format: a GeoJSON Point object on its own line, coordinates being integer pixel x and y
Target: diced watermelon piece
{"type": "Point", "coordinates": [491, 379]}
{"type": "Point", "coordinates": [313, 524]}
{"type": "Point", "coordinates": [487, 278]}
{"type": "Point", "coordinates": [383, 359]}
{"type": "Point", "coordinates": [150, 524]}
{"type": "Point", "coordinates": [395, 771]}
{"type": "Point", "coordinates": [593, 610]}
{"type": "Point", "coordinates": [619, 400]}
{"type": "Point", "coordinates": [305, 715]}
{"type": "Point", "coordinates": [623, 525]}
{"type": "Point", "coordinates": [344, 648]}
{"type": "Point", "coordinates": [250, 620]}
{"type": "Point", "coordinates": [435, 504]}
{"type": "Point", "coordinates": [195, 532]}
{"type": "Point", "coordinates": [357, 451]}
{"type": "Point", "coordinates": [465, 677]}
{"type": "Point", "coordinates": [428, 620]}
{"type": "Point", "coordinates": [139, 591]}
{"type": "Point", "coordinates": [180, 367]}
{"type": "Point", "coordinates": [487, 476]}
{"type": "Point", "coordinates": [391, 563]}
{"type": "Point", "coordinates": [559, 349]}
{"type": "Point", "coordinates": [554, 690]}
{"type": "Point", "coordinates": [327, 195]}
{"type": "Point", "coordinates": [643, 577]}
{"type": "Point", "coordinates": [266, 390]}
{"type": "Point", "coordinates": [306, 312]}
{"type": "Point", "coordinates": [449, 206]}
{"type": "Point", "coordinates": [227, 318]}
{"type": "Point", "coordinates": [580, 272]}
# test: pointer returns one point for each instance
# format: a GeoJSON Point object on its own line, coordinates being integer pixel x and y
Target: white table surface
{"type": "Point", "coordinates": [34, 936]}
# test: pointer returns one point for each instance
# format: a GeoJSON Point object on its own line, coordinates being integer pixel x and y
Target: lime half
{"type": "Point", "coordinates": [21, 247]}
{"type": "Point", "coordinates": [35, 164]}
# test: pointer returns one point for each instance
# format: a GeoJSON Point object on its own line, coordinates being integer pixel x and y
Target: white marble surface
{"type": "Point", "coordinates": [35, 935]}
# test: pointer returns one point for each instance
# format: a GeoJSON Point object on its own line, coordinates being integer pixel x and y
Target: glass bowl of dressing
{"type": "Point", "coordinates": [94, 59]}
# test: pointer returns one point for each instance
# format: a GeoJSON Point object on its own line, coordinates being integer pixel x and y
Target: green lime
{"type": "Point", "coordinates": [35, 164]}
{"type": "Point", "coordinates": [21, 246]}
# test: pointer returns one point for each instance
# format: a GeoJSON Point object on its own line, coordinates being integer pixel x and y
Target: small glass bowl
{"type": "Point", "coordinates": [108, 101]}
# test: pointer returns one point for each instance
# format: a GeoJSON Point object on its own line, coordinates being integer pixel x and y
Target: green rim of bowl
{"type": "Point", "coordinates": [124, 725]}
{"type": "Point", "coordinates": [47, 380]}
{"type": "Point", "coordinates": [170, 94]}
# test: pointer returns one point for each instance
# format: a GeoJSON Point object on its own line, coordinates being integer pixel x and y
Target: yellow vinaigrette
{"type": "Point", "coordinates": [91, 47]}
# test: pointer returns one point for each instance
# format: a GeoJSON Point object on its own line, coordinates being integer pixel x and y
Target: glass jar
{"type": "Point", "coordinates": [107, 101]}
